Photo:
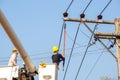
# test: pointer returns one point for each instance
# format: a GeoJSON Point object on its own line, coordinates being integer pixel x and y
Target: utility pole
{"type": "Point", "coordinates": [117, 31]}
{"type": "Point", "coordinates": [115, 35]}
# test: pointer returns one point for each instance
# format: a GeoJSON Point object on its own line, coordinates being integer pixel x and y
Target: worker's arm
{"type": "Point", "coordinates": [63, 59]}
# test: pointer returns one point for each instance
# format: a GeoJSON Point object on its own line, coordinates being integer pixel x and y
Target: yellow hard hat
{"type": "Point", "coordinates": [14, 50]}
{"type": "Point", "coordinates": [43, 65]}
{"type": "Point", "coordinates": [55, 48]}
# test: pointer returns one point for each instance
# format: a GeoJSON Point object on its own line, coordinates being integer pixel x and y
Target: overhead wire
{"type": "Point", "coordinates": [69, 37]}
{"type": "Point", "coordinates": [50, 52]}
{"type": "Point", "coordinates": [36, 54]}
{"type": "Point", "coordinates": [74, 39]}
{"type": "Point", "coordinates": [94, 66]}
{"type": "Point", "coordinates": [61, 34]}
{"type": "Point", "coordinates": [90, 41]}
{"type": "Point", "coordinates": [105, 7]}
{"type": "Point", "coordinates": [98, 59]}
{"type": "Point", "coordinates": [69, 5]}
{"type": "Point", "coordinates": [83, 15]}
{"type": "Point", "coordinates": [87, 6]}
{"type": "Point", "coordinates": [65, 15]}
{"type": "Point", "coordinates": [91, 70]}
{"type": "Point", "coordinates": [33, 57]}
{"type": "Point", "coordinates": [71, 51]}
{"type": "Point", "coordinates": [93, 42]}
{"type": "Point", "coordinates": [85, 53]}
{"type": "Point", "coordinates": [84, 34]}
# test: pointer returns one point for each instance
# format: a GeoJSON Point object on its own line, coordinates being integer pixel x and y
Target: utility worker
{"type": "Point", "coordinates": [13, 58]}
{"type": "Point", "coordinates": [56, 57]}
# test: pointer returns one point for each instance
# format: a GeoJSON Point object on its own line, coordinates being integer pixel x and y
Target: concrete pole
{"type": "Point", "coordinates": [117, 31]}
{"type": "Point", "coordinates": [14, 39]}
{"type": "Point", "coordinates": [116, 35]}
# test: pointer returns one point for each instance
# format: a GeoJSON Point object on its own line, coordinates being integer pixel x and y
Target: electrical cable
{"type": "Point", "coordinates": [84, 34]}
{"type": "Point", "coordinates": [61, 34]}
{"type": "Point", "coordinates": [85, 52]}
{"type": "Point", "coordinates": [90, 40]}
{"type": "Point", "coordinates": [69, 5]}
{"type": "Point", "coordinates": [71, 51]}
{"type": "Point", "coordinates": [36, 54]}
{"type": "Point", "coordinates": [83, 15]}
{"type": "Point", "coordinates": [74, 38]}
{"type": "Point", "coordinates": [100, 16]}
{"type": "Point", "coordinates": [86, 7]}
{"type": "Point", "coordinates": [105, 7]}
{"type": "Point", "coordinates": [94, 65]}
{"type": "Point", "coordinates": [33, 57]}
{"type": "Point", "coordinates": [69, 37]}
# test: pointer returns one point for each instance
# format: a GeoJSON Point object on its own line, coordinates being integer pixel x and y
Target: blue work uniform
{"type": "Point", "coordinates": [57, 58]}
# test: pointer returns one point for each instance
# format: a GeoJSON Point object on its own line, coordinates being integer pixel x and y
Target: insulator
{"type": "Point", "coordinates": [95, 39]}
{"type": "Point", "coordinates": [111, 45]}
{"type": "Point", "coordinates": [99, 16]}
{"type": "Point", "coordinates": [65, 14]}
{"type": "Point", "coordinates": [82, 15]}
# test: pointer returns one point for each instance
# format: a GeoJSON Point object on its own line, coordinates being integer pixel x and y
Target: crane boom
{"type": "Point", "coordinates": [14, 39]}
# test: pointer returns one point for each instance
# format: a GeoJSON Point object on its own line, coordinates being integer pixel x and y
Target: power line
{"type": "Point", "coordinates": [71, 51]}
{"type": "Point", "coordinates": [84, 34]}
{"type": "Point", "coordinates": [69, 5]}
{"type": "Point", "coordinates": [90, 40]}
{"type": "Point", "coordinates": [94, 65]}
{"type": "Point", "coordinates": [69, 37]}
{"type": "Point", "coordinates": [36, 54]}
{"type": "Point", "coordinates": [85, 52]}
{"type": "Point", "coordinates": [105, 7]}
{"type": "Point", "coordinates": [100, 15]}
{"type": "Point", "coordinates": [91, 51]}
{"type": "Point", "coordinates": [86, 7]}
{"type": "Point", "coordinates": [74, 38]}
{"type": "Point", "coordinates": [83, 15]}
{"type": "Point", "coordinates": [61, 34]}
{"type": "Point", "coordinates": [36, 57]}
{"type": "Point", "coordinates": [93, 42]}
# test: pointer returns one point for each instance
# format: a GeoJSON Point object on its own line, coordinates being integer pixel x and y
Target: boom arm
{"type": "Point", "coordinates": [14, 39]}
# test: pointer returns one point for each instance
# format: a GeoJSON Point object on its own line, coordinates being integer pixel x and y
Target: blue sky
{"type": "Point", "coordinates": [38, 24]}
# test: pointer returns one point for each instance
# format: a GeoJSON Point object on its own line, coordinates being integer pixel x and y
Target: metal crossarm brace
{"type": "Point", "coordinates": [107, 35]}
{"type": "Point", "coordinates": [100, 40]}
{"type": "Point", "coordinates": [89, 21]}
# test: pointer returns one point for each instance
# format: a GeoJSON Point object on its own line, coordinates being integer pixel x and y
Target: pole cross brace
{"type": "Point", "coordinates": [106, 35]}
